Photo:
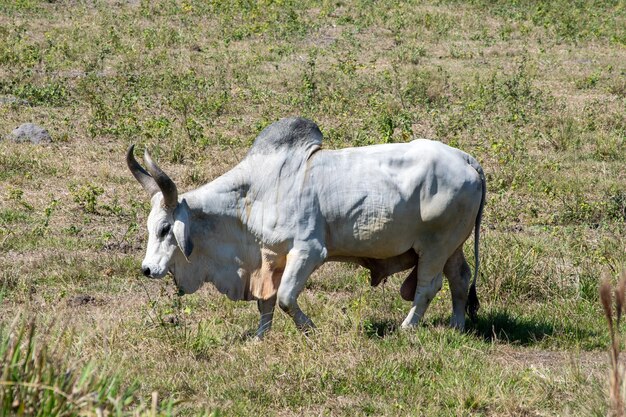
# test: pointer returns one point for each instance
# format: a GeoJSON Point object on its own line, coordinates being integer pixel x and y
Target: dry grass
{"type": "Point", "coordinates": [616, 386]}
{"type": "Point", "coordinates": [533, 89]}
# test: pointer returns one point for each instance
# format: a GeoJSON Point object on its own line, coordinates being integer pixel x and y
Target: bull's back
{"type": "Point", "coordinates": [375, 200]}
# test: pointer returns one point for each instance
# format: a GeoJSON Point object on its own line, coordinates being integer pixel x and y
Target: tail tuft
{"type": "Point", "coordinates": [472, 303]}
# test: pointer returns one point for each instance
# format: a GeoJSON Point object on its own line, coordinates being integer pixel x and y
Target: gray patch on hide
{"type": "Point", "coordinates": [285, 134]}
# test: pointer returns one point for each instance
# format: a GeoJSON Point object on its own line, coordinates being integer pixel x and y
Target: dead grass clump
{"type": "Point", "coordinates": [617, 374]}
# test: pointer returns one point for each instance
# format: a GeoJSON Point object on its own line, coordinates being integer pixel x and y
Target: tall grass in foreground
{"type": "Point", "coordinates": [34, 381]}
{"type": "Point", "coordinates": [617, 374]}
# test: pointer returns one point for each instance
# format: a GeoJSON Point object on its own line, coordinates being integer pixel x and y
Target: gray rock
{"type": "Point", "coordinates": [29, 132]}
{"type": "Point", "coordinates": [13, 100]}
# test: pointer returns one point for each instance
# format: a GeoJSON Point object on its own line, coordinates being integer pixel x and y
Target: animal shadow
{"type": "Point", "coordinates": [489, 326]}
{"type": "Point", "coordinates": [500, 325]}
{"type": "Point", "coordinates": [506, 327]}
{"type": "Point", "coordinates": [379, 328]}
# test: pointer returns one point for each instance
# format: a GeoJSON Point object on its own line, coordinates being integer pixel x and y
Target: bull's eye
{"type": "Point", "coordinates": [164, 230]}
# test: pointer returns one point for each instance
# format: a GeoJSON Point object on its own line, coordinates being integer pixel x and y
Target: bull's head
{"type": "Point", "coordinates": [168, 222]}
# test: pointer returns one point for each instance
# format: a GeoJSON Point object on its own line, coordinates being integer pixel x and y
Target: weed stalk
{"type": "Point", "coordinates": [617, 376]}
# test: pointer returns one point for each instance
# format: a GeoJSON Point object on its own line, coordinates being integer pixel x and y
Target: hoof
{"type": "Point", "coordinates": [408, 325]}
{"type": "Point", "coordinates": [458, 322]}
{"type": "Point", "coordinates": [308, 329]}
{"type": "Point", "coordinates": [457, 326]}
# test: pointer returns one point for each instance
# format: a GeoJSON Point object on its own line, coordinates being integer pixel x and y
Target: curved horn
{"type": "Point", "coordinates": [140, 174]}
{"type": "Point", "coordinates": [166, 185]}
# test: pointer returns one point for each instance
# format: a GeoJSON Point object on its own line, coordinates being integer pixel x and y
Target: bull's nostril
{"type": "Point", "coordinates": [146, 271]}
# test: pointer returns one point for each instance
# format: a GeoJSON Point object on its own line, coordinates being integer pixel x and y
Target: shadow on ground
{"type": "Point", "coordinates": [379, 328]}
{"type": "Point", "coordinates": [505, 327]}
{"type": "Point", "coordinates": [490, 326]}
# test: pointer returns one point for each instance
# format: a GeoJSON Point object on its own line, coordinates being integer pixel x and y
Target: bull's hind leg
{"type": "Point", "coordinates": [300, 264]}
{"type": "Point", "coordinates": [429, 281]}
{"type": "Point", "coordinates": [458, 273]}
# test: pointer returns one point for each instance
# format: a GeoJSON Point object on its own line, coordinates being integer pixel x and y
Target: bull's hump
{"type": "Point", "coordinates": [287, 134]}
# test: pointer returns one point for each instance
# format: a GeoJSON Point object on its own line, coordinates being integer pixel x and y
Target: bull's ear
{"type": "Point", "coordinates": [181, 228]}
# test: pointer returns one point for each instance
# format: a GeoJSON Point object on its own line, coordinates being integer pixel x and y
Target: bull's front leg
{"type": "Point", "coordinates": [266, 309]}
{"type": "Point", "coordinates": [300, 265]}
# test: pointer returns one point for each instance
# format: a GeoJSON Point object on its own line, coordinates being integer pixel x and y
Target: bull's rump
{"type": "Point", "coordinates": [380, 201]}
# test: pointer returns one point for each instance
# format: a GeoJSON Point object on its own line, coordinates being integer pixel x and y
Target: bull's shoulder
{"type": "Point", "coordinates": [288, 134]}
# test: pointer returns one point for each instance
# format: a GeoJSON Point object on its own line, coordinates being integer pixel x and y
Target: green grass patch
{"type": "Point", "coordinates": [533, 89]}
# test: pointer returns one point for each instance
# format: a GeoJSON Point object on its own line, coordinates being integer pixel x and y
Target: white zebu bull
{"type": "Point", "coordinates": [260, 230]}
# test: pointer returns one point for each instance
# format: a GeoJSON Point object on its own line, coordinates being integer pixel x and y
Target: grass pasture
{"type": "Point", "coordinates": [535, 90]}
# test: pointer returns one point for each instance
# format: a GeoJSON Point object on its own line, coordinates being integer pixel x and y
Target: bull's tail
{"type": "Point", "coordinates": [472, 300]}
